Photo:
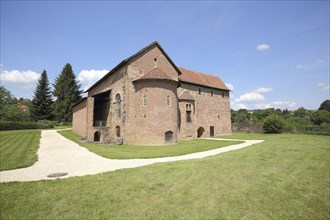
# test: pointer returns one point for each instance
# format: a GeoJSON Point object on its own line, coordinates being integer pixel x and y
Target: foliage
{"type": "Point", "coordinates": [66, 91]}
{"type": "Point", "coordinates": [243, 116]}
{"type": "Point", "coordinates": [17, 125]}
{"type": "Point", "coordinates": [42, 100]}
{"type": "Point", "coordinates": [18, 148]}
{"type": "Point", "coordinates": [285, 177]}
{"type": "Point", "coordinates": [14, 113]}
{"type": "Point", "coordinates": [320, 116]}
{"type": "Point", "coordinates": [10, 107]}
{"type": "Point", "coordinates": [325, 105]}
{"type": "Point", "coordinates": [6, 98]}
{"type": "Point", "coordinates": [273, 124]}
{"type": "Point", "coordinates": [133, 151]}
{"type": "Point", "coordinates": [300, 112]}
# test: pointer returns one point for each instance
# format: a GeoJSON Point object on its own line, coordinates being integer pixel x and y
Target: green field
{"type": "Point", "coordinates": [18, 148]}
{"type": "Point", "coordinates": [133, 151]}
{"type": "Point", "coordinates": [285, 177]}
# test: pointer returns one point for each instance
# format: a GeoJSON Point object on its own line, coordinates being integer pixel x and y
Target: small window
{"type": "Point", "coordinates": [188, 116]}
{"type": "Point", "coordinates": [118, 105]}
{"type": "Point", "coordinates": [168, 100]}
{"type": "Point", "coordinates": [144, 98]}
{"type": "Point", "coordinates": [199, 91]}
{"type": "Point", "coordinates": [211, 92]}
{"type": "Point", "coordinates": [223, 94]}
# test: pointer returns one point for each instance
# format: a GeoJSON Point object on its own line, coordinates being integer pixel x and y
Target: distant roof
{"type": "Point", "coordinates": [203, 79]}
{"type": "Point", "coordinates": [156, 73]}
{"type": "Point", "coordinates": [186, 96]}
{"type": "Point", "coordinates": [122, 63]}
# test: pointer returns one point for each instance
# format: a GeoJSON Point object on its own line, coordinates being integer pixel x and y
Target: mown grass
{"type": "Point", "coordinates": [133, 151]}
{"type": "Point", "coordinates": [285, 177]}
{"type": "Point", "coordinates": [18, 148]}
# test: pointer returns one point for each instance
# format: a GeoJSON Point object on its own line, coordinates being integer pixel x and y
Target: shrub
{"type": "Point", "coordinates": [10, 125]}
{"type": "Point", "coordinates": [273, 124]}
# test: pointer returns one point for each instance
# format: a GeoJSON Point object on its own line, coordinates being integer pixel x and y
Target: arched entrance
{"type": "Point", "coordinates": [168, 136]}
{"type": "Point", "coordinates": [97, 136]}
{"type": "Point", "coordinates": [200, 132]}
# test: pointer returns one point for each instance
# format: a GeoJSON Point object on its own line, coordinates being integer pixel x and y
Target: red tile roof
{"type": "Point", "coordinates": [156, 73]}
{"type": "Point", "coordinates": [198, 78]}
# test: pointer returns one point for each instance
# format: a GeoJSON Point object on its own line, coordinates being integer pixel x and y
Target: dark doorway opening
{"type": "Point", "coordinates": [97, 136]}
{"type": "Point", "coordinates": [101, 109]}
{"type": "Point", "coordinates": [200, 132]}
{"type": "Point", "coordinates": [211, 131]}
{"type": "Point", "coordinates": [168, 136]}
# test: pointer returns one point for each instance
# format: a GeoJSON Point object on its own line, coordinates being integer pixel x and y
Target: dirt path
{"type": "Point", "coordinates": [57, 154]}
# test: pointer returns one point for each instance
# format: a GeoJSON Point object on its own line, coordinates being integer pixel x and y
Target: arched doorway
{"type": "Point", "coordinates": [168, 136]}
{"type": "Point", "coordinates": [97, 136]}
{"type": "Point", "coordinates": [200, 132]}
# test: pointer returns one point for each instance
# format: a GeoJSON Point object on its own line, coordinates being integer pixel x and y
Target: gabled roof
{"type": "Point", "coordinates": [155, 73]}
{"type": "Point", "coordinates": [198, 78]}
{"type": "Point", "coordinates": [122, 63]}
{"type": "Point", "coordinates": [186, 96]}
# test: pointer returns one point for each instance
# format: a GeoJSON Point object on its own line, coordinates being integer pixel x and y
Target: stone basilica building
{"type": "Point", "coordinates": [147, 100]}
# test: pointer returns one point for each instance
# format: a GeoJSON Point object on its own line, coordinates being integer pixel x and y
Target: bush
{"type": "Point", "coordinates": [273, 124]}
{"type": "Point", "coordinates": [10, 125]}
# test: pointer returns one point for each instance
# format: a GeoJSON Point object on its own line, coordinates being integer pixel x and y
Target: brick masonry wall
{"type": "Point", "coordinates": [208, 111]}
{"type": "Point", "coordinates": [79, 120]}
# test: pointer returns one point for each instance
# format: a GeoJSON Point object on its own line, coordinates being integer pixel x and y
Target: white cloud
{"type": "Point", "coordinates": [237, 106]}
{"type": "Point", "coordinates": [21, 79]}
{"type": "Point", "coordinates": [250, 97]}
{"type": "Point", "coordinates": [262, 47]}
{"type": "Point", "coordinates": [324, 86]}
{"type": "Point", "coordinates": [88, 77]}
{"type": "Point", "coordinates": [276, 104]}
{"type": "Point", "coordinates": [307, 66]}
{"type": "Point", "coordinates": [263, 89]}
{"type": "Point", "coordinates": [230, 86]}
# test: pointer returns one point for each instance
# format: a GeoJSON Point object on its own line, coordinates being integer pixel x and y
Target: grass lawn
{"type": "Point", "coordinates": [285, 177]}
{"type": "Point", "coordinates": [133, 151]}
{"type": "Point", "coordinates": [18, 148]}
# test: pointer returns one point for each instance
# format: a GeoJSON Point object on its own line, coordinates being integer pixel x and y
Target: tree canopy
{"type": "Point", "coordinates": [41, 108]}
{"type": "Point", "coordinates": [67, 92]}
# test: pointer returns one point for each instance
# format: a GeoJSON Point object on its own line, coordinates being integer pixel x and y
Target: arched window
{"type": "Point", "coordinates": [118, 105]}
{"type": "Point", "coordinates": [118, 131]}
{"type": "Point", "coordinates": [168, 136]}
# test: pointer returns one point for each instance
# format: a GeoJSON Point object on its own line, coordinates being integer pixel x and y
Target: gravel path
{"type": "Point", "coordinates": [57, 154]}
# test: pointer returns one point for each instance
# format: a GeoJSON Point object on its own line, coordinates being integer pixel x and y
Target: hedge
{"type": "Point", "coordinates": [10, 125]}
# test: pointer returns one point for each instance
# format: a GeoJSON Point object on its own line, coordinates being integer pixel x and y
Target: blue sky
{"type": "Point", "coordinates": [271, 53]}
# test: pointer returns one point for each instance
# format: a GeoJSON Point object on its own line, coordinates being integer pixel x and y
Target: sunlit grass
{"type": "Point", "coordinates": [18, 148]}
{"type": "Point", "coordinates": [285, 177]}
{"type": "Point", "coordinates": [133, 151]}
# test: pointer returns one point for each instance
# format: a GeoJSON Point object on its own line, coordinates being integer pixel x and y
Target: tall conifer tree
{"type": "Point", "coordinates": [67, 92]}
{"type": "Point", "coordinates": [42, 101]}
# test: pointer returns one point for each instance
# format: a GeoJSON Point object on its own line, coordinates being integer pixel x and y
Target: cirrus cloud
{"type": "Point", "coordinates": [263, 89]}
